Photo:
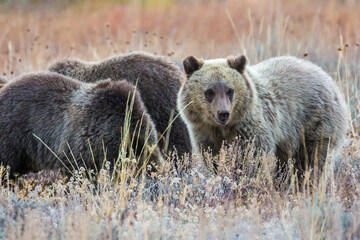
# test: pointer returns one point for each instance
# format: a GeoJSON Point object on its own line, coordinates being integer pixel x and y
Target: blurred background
{"type": "Point", "coordinates": [34, 32]}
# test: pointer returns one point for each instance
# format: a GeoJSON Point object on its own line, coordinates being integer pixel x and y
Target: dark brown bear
{"type": "Point", "coordinates": [158, 81]}
{"type": "Point", "coordinates": [68, 114]}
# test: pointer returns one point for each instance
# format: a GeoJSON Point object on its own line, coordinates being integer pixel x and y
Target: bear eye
{"type": "Point", "coordinates": [230, 93]}
{"type": "Point", "coordinates": [209, 95]}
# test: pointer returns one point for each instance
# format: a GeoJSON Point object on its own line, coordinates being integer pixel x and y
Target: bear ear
{"type": "Point", "coordinates": [238, 63]}
{"type": "Point", "coordinates": [191, 64]}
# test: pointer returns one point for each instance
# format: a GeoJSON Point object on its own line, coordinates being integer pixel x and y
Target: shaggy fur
{"type": "Point", "coordinates": [61, 112]}
{"type": "Point", "coordinates": [158, 81]}
{"type": "Point", "coordinates": [279, 104]}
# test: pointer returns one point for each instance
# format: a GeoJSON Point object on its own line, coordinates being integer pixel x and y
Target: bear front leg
{"type": "Point", "coordinates": [205, 148]}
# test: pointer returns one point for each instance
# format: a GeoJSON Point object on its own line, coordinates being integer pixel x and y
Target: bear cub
{"type": "Point", "coordinates": [158, 81]}
{"type": "Point", "coordinates": [85, 121]}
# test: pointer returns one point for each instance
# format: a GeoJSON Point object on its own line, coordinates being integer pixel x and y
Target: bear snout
{"type": "Point", "coordinates": [223, 116]}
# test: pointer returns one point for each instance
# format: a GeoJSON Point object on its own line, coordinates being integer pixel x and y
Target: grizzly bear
{"type": "Point", "coordinates": [283, 105]}
{"type": "Point", "coordinates": [50, 122]}
{"type": "Point", "coordinates": [158, 81]}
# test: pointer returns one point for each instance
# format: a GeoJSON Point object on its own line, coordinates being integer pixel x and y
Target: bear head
{"type": "Point", "coordinates": [216, 92]}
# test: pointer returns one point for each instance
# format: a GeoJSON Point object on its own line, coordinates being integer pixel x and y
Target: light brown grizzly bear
{"type": "Point", "coordinates": [158, 82]}
{"type": "Point", "coordinates": [75, 120]}
{"type": "Point", "coordinates": [285, 105]}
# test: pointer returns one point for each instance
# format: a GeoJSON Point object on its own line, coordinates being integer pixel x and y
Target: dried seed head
{"type": "Point", "coordinates": [148, 167]}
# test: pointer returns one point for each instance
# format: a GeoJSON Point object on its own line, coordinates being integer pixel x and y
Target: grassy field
{"type": "Point", "coordinates": [193, 204]}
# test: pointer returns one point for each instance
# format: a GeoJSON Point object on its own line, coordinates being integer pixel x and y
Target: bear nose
{"type": "Point", "coordinates": [223, 116]}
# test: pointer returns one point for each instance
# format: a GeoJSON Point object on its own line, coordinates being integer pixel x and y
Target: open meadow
{"type": "Point", "coordinates": [193, 203]}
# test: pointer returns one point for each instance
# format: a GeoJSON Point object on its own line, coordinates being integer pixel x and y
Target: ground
{"type": "Point", "coordinates": [195, 204]}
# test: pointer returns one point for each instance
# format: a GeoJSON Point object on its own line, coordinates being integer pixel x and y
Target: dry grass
{"type": "Point", "coordinates": [194, 204]}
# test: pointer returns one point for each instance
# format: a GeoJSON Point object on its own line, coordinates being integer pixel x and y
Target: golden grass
{"type": "Point", "coordinates": [194, 204]}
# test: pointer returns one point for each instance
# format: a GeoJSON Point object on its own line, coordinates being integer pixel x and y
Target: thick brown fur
{"type": "Point", "coordinates": [69, 116]}
{"type": "Point", "coordinates": [285, 105]}
{"type": "Point", "coordinates": [158, 81]}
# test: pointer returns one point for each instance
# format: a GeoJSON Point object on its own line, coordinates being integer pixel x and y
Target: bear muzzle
{"type": "Point", "coordinates": [223, 117]}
